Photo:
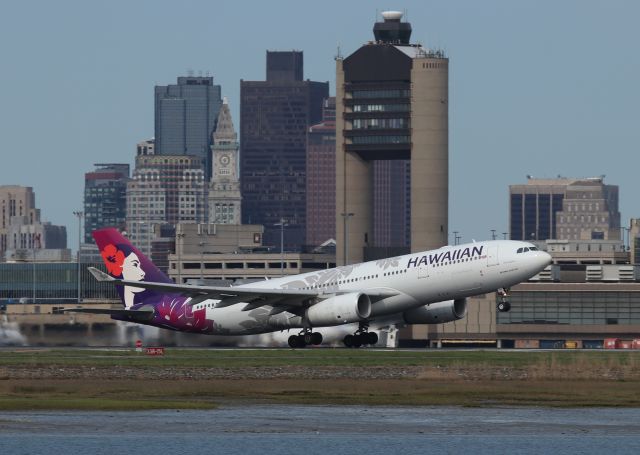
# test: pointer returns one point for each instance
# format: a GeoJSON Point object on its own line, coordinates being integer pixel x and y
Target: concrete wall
{"type": "Point", "coordinates": [354, 189]}
{"type": "Point", "coordinates": [429, 153]}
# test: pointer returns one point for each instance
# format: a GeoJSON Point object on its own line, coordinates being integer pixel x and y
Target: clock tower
{"type": "Point", "coordinates": [224, 191]}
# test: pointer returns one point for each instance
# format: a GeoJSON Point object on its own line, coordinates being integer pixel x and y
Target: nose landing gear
{"type": "Point", "coordinates": [503, 305]}
{"type": "Point", "coordinates": [305, 338]}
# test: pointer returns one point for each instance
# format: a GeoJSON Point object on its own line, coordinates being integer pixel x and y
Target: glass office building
{"type": "Point", "coordinates": [274, 118]}
{"type": "Point", "coordinates": [55, 282]}
{"type": "Point", "coordinates": [105, 198]}
{"type": "Point", "coordinates": [185, 117]}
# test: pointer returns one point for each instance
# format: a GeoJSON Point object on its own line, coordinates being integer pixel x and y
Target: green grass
{"type": "Point", "coordinates": [107, 395]}
{"type": "Point", "coordinates": [39, 403]}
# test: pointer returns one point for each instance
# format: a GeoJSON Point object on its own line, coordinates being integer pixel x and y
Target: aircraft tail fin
{"type": "Point", "coordinates": [125, 261]}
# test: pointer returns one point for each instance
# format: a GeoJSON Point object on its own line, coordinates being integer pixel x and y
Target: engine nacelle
{"type": "Point", "coordinates": [341, 309]}
{"type": "Point", "coordinates": [437, 313]}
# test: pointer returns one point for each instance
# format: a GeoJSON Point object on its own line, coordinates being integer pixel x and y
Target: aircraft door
{"type": "Point", "coordinates": [492, 255]}
{"type": "Point", "coordinates": [423, 271]}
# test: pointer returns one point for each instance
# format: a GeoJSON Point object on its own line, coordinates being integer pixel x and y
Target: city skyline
{"type": "Point", "coordinates": [530, 92]}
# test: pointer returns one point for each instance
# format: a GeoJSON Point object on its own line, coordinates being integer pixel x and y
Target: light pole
{"type": "Point", "coordinates": [150, 231]}
{"type": "Point", "coordinates": [179, 235]}
{"type": "Point", "coordinates": [626, 238]}
{"type": "Point", "coordinates": [79, 214]}
{"type": "Point", "coordinates": [345, 218]}
{"type": "Point", "coordinates": [455, 237]}
{"type": "Point", "coordinates": [493, 234]}
{"type": "Point", "coordinates": [504, 235]}
{"type": "Point", "coordinates": [201, 245]}
{"type": "Point", "coordinates": [149, 228]}
{"type": "Point", "coordinates": [282, 224]}
{"type": "Point", "coordinates": [33, 274]}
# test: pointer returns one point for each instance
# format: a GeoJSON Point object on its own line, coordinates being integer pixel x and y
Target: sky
{"type": "Point", "coordinates": [542, 88]}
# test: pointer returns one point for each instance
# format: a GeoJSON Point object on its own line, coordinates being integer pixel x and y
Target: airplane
{"type": "Point", "coordinates": [430, 287]}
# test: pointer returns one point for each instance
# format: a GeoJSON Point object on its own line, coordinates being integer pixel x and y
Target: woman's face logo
{"type": "Point", "coordinates": [128, 267]}
{"type": "Point", "coordinates": [131, 270]}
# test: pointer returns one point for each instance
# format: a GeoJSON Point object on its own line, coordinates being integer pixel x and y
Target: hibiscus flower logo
{"type": "Point", "coordinates": [113, 259]}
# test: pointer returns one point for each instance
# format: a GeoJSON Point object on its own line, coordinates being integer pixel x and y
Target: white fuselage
{"type": "Point", "coordinates": [451, 272]}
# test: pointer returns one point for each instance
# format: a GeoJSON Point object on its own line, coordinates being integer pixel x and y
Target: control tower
{"type": "Point", "coordinates": [392, 103]}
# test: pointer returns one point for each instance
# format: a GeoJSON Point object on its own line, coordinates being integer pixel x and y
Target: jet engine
{"type": "Point", "coordinates": [341, 309]}
{"type": "Point", "coordinates": [436, 313]}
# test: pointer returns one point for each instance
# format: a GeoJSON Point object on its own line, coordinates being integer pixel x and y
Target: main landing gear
{"type": "Point", "coordinates": [503, 305]}
{"type": "Point", "coordinates": [305, 338]}
{"type": "Point", "coordinates": [361, 337]}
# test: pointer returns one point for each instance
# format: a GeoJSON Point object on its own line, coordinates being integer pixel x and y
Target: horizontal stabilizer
{"type": "Point", "coordinates": [100, 275]}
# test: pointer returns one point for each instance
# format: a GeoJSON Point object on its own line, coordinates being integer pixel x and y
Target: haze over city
{"type": "Point", "coordinates": [542, 88]}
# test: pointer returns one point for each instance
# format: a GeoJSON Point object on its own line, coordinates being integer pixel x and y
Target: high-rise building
{"type": "Point", "coordinates": [391, 104]}
{"type": "Point", "coordinates": [224, 192]}
{"type": "Point", "coordinates": [533, 208]}
{"type": "Point", "coordinates": [23, 236]}
{"type": "Point", "coordinates": [19, 201]}
{"type": "Point", "coordinates": [564, 208]}
{"type": "Point", "coordinates": [105, 198]}
{"type": "Point", "coordinates": [185, 116]}
{"type": "Point", "coordinates": [164, 189]}
{"type": "Point", "coordinates": [633, 240]}
{"type": "Point", "coordinates": [321, 177]}
{"type": "Point", "coordinates": [589, 211]}
{"type": "Point", "coordinates": [274, 117]}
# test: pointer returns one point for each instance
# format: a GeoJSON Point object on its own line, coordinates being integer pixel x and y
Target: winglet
{"type": "Point", "coordinates": [100, 275]}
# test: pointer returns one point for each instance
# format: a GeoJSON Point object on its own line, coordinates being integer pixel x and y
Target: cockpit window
{"type": "Point", "coordinates": [533, 248]}
{"type": "Point", "coordinates": [519, 251]}
{"type": "Point", "coordinates": [526, 249]}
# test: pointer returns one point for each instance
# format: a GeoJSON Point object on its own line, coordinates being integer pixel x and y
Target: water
{"type": "Point", "coordinates": [324, 430]}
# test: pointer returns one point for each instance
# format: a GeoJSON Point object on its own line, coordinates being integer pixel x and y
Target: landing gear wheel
{"type": "Point", "coordinates": [316, 338]}
{"type": "Point", "coordinates": [362, 337]}
{"type": "Point", "coordinates": [348, 341]}
{"type": "Point", "coordinates": [307, 337]}
{"type": "Point", "coordinates": [293, 341]}
{"type": "Point", "coordinates": [297, 341]}
{"type": "Point", "coordinates": [503, 307]}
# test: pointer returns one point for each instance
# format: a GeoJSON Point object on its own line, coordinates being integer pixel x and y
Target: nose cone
{"type": "Point", "coordinates": [543, 259]}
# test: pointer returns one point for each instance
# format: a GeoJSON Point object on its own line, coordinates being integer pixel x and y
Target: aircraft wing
{"type": "Point", "coordinates": [227, 296]}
